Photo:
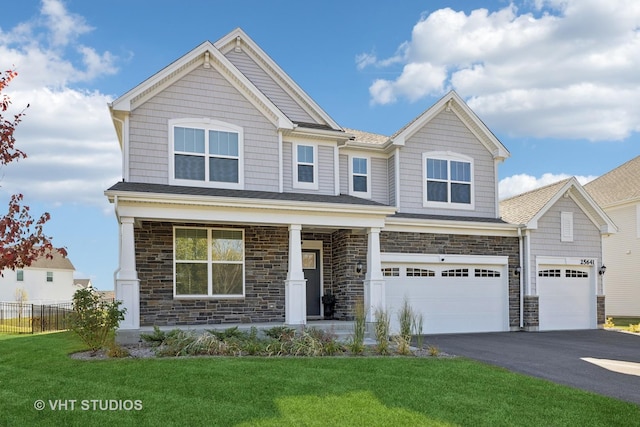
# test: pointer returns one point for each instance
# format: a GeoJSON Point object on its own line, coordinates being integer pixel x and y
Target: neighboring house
{"type": "Point", "coordinates": [242, 201]}
{"type": "Point", "coordinates": [46, 281]}
{"type": "Point", "coordinates": [563, 230]}
{"type": "Point", "coordinates": [82, 283]}
{"type": "Point", "coordinates": [618, 193]}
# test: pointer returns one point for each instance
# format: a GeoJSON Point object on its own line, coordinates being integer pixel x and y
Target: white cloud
{"type": "Point", "coordinates": [73, 155]}
{"type": "Point", "coordinates": [568, 69]}
{"type": "Point", "coordinates": [521, 183]}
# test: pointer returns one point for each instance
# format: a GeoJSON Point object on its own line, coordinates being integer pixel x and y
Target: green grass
{"type": "Point", "coordinates": [218, 391]}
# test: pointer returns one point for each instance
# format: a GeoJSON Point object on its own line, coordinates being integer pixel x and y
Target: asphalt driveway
{"type": "Point", "coordinates": [555, 356]}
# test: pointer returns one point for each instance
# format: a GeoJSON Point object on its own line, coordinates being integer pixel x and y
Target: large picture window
{"type": "Point", "coordinates": [448, 180]}
{"type": "Point", "coordinates": [206, 153]}
{"type": "Point", "coordinates": [209, 262]}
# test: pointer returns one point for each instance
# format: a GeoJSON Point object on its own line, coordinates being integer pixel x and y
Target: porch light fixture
{"type": "Point", "coordinates": [359, 268]}
{"type": "Point", "coordinates": [602, 270]}
{"type": "Point", "coordinates": [517, 270]}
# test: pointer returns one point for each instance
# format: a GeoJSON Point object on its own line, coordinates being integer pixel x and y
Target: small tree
{"type": "Point", "coordinates": [22, 239]}
{"type": "Point", "coordinates": [94, 320]}
{"type": "Point", "coordinates": [21, 296]}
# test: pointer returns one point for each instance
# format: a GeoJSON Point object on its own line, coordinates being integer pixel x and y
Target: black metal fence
{"type": "Point", "coordinates": [20, 318]}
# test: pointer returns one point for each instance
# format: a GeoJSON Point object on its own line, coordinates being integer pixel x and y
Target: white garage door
{"type": "Point", "coordinates": [451, 298]}
{"type": "Point", "coordinates": [566, 298]}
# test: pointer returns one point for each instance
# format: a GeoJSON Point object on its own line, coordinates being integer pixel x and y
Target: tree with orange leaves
{"type": "Point", "coordinates": [22, 238]}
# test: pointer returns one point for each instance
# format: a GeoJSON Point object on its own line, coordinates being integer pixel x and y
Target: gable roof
{"type": "Point", "coordinates": [620, 185]}
{"type": "Point", "coordinates": [58, 262]}
{"type": "Point", "coordinates": [238, 40]}
{"type": "Point", "coordinates": [208, 56]}
{"type": "Point", "coordinates": [527, 208]}
{"type": "Point", "coordinates": [454, 103]}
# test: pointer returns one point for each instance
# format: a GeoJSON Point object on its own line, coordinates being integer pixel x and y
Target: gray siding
{"type": "Point", "coordinates": [344, 173]}
{"type": "Point", "coordinates": [379, 180]}
{"type": "Point", "coordinates": [269, 87]}
{"type": "Point", "coordinates": [201, 93]}
{"type": "Point", "coordinates": [391, 171]}
{"type": "Point", "coordinates": [326, 177]}
{"type": "Point", "coordinates": [446, 133]}
{"type": "Point", "coordinates": [545, 241]}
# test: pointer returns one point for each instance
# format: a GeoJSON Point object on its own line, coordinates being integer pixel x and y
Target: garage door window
{"type": "Point", "coordinates": [458, 272]}
{"type": "Point", "coordinates": [391, 272]}
{"type": "Point", "coordinates": [549, 273]}
{"type": "Point", "coordinates": [420, 272]}
{"type": "Point", "coordinates": [576, 273]}
{"type": "Point", "coordinates": [486, 273]}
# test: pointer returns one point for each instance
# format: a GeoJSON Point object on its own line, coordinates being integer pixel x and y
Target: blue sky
{"type": "Point", "coordinates": [557, 81]}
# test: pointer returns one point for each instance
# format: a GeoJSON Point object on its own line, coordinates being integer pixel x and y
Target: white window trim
{"type": "Point", "coordinates": [207, 125]}
{"type": "Point", "coordinates": [294, 157]}
{"type": "Point", "coordinates": [448, 156]}
{"type": "Point", "coordinates": [363, 194]}
{"type": "Point", "coordinates": [566, 226]}
{"type": "Point", "coordinates": [209, 263]}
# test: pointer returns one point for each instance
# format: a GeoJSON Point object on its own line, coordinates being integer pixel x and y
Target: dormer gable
{"type": "Point", "coordinates": [452, 102]}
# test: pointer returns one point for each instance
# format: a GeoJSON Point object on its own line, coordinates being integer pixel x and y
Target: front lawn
{"type": "Point", "coordinates": [288, 391]}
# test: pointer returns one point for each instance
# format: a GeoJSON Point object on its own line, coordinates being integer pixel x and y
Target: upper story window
{"type": "Point", "coordinates": [448, 180]}
{"type": "Point", "coordinates": [359, 183]}
{"type": "Point", "coordinates": [49, 276]}
{"type": "Point", "coordinates": [206, 152]}
{"type": "Point", "coordinates": [305, 166]}
{"type": "Point", "coordinates": [20, 275]}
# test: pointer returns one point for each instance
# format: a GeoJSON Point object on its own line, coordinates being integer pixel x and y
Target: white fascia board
{"type": "Point", "coordinates": [497, 150]}
{"type": "Point", "coordinates": [402, 258]}
{"type": "Point", "coordinates": [187, 208]}
{"type": "Point", "coordinates": [188, 63]}
{"type": "Point", "coordinates": [257, 215]}
{"type": "Point", "coordinates": [409, 225]}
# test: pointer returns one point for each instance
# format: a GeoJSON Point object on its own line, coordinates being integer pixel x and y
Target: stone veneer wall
{"type": "Point", "coordinates": [266, 260]}
{"type": "Point", "coordinates": [348, 250]}
{"type": "Point", "coordinates": [531, 313]}
{"type": "Point", "coordinates": [454, 244]}
{"type": "Point", "coordinates": [600, 304]}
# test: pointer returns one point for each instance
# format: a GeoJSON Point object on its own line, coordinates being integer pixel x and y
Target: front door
{"type": "Point", "coordinates": [311, 266]}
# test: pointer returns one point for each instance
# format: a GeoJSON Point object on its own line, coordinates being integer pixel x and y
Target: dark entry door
{"type": "Point", "coordinates": [311, 267]}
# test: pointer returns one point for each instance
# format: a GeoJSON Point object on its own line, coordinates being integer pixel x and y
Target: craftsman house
{"type": "Point", "coordinates": [242, 201]}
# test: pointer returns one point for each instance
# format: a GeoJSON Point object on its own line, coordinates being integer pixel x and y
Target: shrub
{"type": "Point", "coordinates": [381, 328]}
{"type": "Point", "coordinates": [634, 328]}
{"type": "Point", "coordinates": [433, 350]}
{"type": "Point", "coordinates": [228, 333]}
{"type": "Point", "coordinates": [417, 324]}
{"type": "Point", "coordinates": [609, 323]}
{"type": "Point", "coordinates": [94, 320]}
{"type": "Point", "coordinates": [278, 332]}
{"type": "Point", "coordinates": [155, 338]}
{"type": "Point", "coordinates": [359, 329]}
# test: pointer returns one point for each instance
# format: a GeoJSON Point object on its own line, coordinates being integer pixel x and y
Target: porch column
{"type": "Point", "coordinates": [295, 294]}
{"type": "Point", "coordinates": [127, 283]}
{"type": "Point", "coordinates": [373, 280]}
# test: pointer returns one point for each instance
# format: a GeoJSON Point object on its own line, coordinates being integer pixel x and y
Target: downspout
{"type": "Point", "coordinates": [520, 276]}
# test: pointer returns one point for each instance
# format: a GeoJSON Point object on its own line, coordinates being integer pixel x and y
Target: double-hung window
{"type": "Point", "coordinates": [448, 180]}
{"type": "Point", "coordinates": [20, 275]}
{"type": "Point", "coordinates": [207, 153]}
{"type": "Point", "coordinates": [305, 166]}
{"type": "Point", "coordinates": [359, 184]}
{"type": "Point", "coordinates": [49, 276]}
{"type": "Point", "coordinates": [209, 262]}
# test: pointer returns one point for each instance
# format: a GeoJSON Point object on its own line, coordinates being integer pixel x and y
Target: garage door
{"type": "Point", "coordinates": [566, 298]}
{"type": "Point", "coordinates": [452, 298]}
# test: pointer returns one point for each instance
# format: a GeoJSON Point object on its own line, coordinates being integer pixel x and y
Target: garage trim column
{"type": "Point", "coordinates": [295, 294]}
{"type": "Point", "coordinates": [373, 281]}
